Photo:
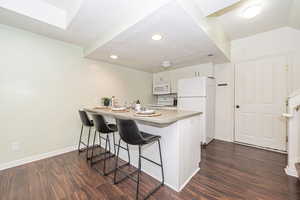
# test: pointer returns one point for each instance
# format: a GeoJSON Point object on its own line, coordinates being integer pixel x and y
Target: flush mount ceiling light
{"type": "Point", "coordinates": [114, 57]}
{"type": "Point", "coordinates": [156, 37]}
{"type": "Point", "coordinates": [251, 11]}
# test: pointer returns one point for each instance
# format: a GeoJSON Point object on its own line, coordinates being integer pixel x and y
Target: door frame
{"type": "Point", "coordinates": [288, 86]}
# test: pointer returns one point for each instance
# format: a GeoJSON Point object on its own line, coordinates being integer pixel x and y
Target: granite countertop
{"type": "Point", "coordinates": [166, 117]}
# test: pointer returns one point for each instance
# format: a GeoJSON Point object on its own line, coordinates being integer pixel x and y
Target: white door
{"type": "Point", "coordinates": [261, 91]}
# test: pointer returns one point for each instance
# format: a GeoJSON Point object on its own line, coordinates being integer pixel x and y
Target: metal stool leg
{"type": "Point", "coordinates": [107, 155]}
{"type": "Point", "coordinates": [100, 142]}
{"type": "Point", "coordinates": [161, 163]}
{"type": "Point", "coordinates": [138, 171]}
{"type": "Point", "coordinates": [91, 158]}
{"type": "Point", "coordinates": [105, 158]}
{"type": "Point", "coordinates": [88, 144]}
{"type": "Point", "coordinates": [116, 162]}
{"type": "Point", "coordinates": [138, 175]}
{"type": "Point", "coordinates": [118, 168]}
{"type": "Point", "coordinates": [80, 138]}
{"type": "Point", "coordinates": [128, 153]}
{"type": "Point", "coordinates": [114, 141]}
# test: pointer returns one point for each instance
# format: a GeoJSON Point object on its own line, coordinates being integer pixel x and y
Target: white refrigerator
{"type": "Point", "coordinates": [198, 94]}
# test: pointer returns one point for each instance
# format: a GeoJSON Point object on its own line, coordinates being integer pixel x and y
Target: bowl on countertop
{"type": "Point", "coordinates": [146, 112]}
{"type": "Point", "coordinates": [118, 108]}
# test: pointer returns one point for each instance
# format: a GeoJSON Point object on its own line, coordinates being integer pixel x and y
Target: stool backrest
{"type": "Point", "coordinates": [100, 124]}
{"type": "Point", "coordinates": [84, 118]}
{"type": "Point", "coordinates": [129, 132]}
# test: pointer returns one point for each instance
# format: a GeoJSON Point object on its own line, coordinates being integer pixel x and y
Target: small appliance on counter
{"type": "Point", "coordinates": [165, 102]}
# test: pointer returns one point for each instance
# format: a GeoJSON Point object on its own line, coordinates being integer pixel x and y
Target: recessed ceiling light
{"type": "Point", "coordinates": [166, 64]}
{"type": "Point", "coordinates": [251, 11]}
{"type": "Point", "coordinates": [114, 57]}
{"type": "Point", "coordinates": [156, 37]}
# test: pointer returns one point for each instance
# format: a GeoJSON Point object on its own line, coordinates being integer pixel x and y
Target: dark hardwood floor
{"type": "Point", "coordinates": [228, 172]}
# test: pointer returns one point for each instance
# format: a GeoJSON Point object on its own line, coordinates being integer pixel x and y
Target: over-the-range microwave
{"type": "Point", "coordinates": [164, 88]}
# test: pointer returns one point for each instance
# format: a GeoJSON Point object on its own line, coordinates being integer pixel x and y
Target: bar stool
{"type": "Point", "coordinates": [102, 127]}
{"type": "Point", "coordinates": [130, 134]}
{"type": "Point", "coordinates": [86, 122]}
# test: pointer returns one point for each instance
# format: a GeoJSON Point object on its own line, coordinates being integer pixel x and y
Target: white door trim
{"type": "Point", "coordinates": [235, 94]}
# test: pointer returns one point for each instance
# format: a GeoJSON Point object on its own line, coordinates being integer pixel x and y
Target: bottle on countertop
{"type": "Point", "coordinates": [113, 101]}
{"type": "Point", "coordinates": [175, 102]}
{"type": "Point", "coordinates": [138, 105]}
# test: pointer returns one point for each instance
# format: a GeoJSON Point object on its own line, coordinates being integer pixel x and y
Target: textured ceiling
{"type": "Point", "coordinates": [91, 21]}
{"type": "Point", "coordinates": [125, 27]}
{"type": "Point", "coordinates": [184, 42]}
{"type": "Point", "coordinates": [274, 14]}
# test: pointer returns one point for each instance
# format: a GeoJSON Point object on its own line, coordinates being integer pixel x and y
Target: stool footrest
{"type": "Point", "coordinates": [127, 175]}
{"type": "Point", "coordinates": [100, 154]}
{"type": "Point", "coordinates": [105, 173]}
{"type": "Point", "coordinates": [154, 190]}
{"type": "Point", "coordinates": [83, 143]}
{"type": "Point", "coordinates": [103, 138]}
{"type": "Point", "coordinates": [121, 147]}
{"type": "Point", "coordinates": [151, 161]}
{"type": "Point", "coordinates": [111, 171]}
{"type": "Point", "coordinates": [87, 148]}
{"type": "Point", "coordinates": [102, 159]}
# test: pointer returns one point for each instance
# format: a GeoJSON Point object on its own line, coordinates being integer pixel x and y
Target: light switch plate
{"type": "Point", "coordinates": [15, 146]}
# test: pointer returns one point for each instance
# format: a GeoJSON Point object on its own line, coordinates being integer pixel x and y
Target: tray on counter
{"type": "Point", "coordinates": [147, 115]}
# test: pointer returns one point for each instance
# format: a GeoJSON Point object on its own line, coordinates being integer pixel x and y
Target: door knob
{"type": "Point", "coordinates": [237, 106]}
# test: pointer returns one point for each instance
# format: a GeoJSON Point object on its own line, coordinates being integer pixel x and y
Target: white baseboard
{"type": "Point", "coordinates": [159, 178]}
{"type": "Point", "coordinates": [223, 139]}
{"type": "Point", "coordinates": [188, 180]}
{"type": "Point", "coordinates": [23, 161]}
{"type": "Point", "coordinates": [172, 187]}
{"type": "Point", "coordinates": [291, 171]}
{"type": "Point", "coordinates": [259, 147]}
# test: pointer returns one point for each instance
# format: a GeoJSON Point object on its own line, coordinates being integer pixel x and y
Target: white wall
{"type": "Point", "coordinates": [224, 73]}
{"type": "Point", "coordinates": [294, 72]}
{"type": "Point", "coordinates": [44, 82]}
{"type": "Point", "coordinates": [283, 41]}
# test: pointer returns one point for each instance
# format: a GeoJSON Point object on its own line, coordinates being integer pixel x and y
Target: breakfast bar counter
{"type": "Point", "coordinates": [180, 142]}
{"type": "Point", "coordinates": [165, 117]}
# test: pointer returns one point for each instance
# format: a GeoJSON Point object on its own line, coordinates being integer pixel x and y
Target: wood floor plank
{"type": "Point", "coordinates": [228, 172]}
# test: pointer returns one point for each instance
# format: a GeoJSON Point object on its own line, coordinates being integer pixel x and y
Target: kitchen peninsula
{"type": "Point", "coordinates": [180, 139]}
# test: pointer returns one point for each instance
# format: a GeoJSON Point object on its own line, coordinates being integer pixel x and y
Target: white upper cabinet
{"type": "Point", "coordinates": [173, 76]}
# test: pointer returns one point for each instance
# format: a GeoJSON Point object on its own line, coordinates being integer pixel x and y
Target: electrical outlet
{"type": "Point", "coordinates": [15, 146]}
